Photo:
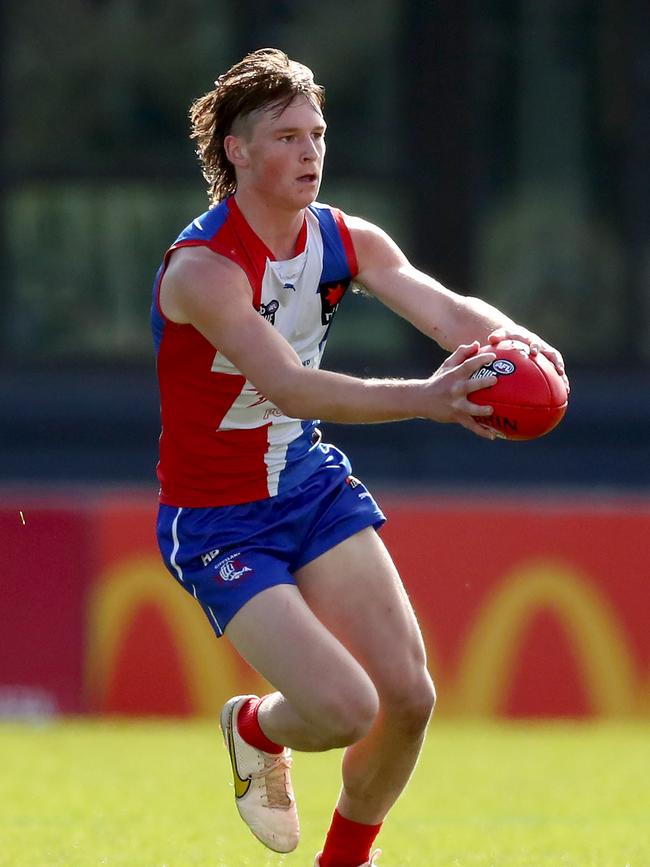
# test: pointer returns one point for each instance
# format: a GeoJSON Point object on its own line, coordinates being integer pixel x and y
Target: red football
{"type": "Point", "coordinates": [529, 398]}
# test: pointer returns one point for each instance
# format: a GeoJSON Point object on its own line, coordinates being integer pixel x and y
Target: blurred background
{"type": "Point", "coordinates": [504, 144]}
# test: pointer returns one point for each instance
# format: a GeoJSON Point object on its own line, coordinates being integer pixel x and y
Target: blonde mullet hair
{"type": "Point", "coordinates": [265, 79]}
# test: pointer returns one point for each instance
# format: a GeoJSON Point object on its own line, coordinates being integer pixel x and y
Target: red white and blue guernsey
{"type": "Point", "coordinates": [222, 442]}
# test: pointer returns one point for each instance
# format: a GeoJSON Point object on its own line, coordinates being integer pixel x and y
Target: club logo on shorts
{"type": "Point", "coordinates": [232, 568]}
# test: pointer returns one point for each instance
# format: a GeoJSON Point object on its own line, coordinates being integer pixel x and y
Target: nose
{"type": "Point", "coordinates": [310, 151]}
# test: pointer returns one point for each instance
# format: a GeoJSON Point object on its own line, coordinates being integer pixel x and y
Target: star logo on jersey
{"type": "Point", "coordinates": [330, 298]}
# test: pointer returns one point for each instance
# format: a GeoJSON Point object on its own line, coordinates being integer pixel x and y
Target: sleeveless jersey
{"type": "Point", "coordinates": [222, 442]}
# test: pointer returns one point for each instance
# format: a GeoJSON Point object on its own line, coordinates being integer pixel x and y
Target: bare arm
{"type": "Point", "coordinates": [212, 294]}
{"type": "Point", "coordinates": [447, 317]}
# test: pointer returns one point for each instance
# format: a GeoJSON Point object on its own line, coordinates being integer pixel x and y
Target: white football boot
{"type": "Point", "coordinates": [373, 859]}
{"type": "Point", "coordinates": [263, 790]}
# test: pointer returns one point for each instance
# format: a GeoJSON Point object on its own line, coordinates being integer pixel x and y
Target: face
{"type": "Point", "coordinates": [280, 156]}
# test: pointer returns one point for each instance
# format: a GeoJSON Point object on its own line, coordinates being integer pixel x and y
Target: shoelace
{"type": "Point", "coordinates": [275, 777]}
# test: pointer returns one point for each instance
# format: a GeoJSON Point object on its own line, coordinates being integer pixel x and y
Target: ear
{"type": "Point", "coordinates": [236, 150]}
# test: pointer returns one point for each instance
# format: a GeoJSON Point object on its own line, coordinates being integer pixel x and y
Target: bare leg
{"type": "Point", "coordinates": [347, 657]}
{"type": "Point", "coordinates": [325, 699]}
{"type": "Point", "coordinates": [356, 592]}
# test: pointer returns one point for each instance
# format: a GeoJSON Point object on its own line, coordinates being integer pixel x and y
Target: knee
{"type": "Point", "coordinates": [346, 716]}
{"type": "Point", "coordinates": [409, 706]}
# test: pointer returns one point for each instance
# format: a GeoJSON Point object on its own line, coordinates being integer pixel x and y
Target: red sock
{"type": "Point", "coordinates": [348, 843]}
{"type": "Point", "coordinates": [249, 728]}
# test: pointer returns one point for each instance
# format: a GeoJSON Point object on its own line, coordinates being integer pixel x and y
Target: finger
{"type": "Point", "coordinates": [464, 351]}
{"type": "Point", "coordinates": [461, 390]}
{"type": "Point", "coordinates": [555, 358]}
{"type": "Point", "coordinates": [461, 354]}
{"type": "Point", "coordinates": [476, 362]}
{"type": "Point", "coordinates": [498, 335]}
{"type": "Point", "coordinates": [480, 430]}
{"type": "Point", "coordinates": [473, 409]}
{"type": "Point", "coordinates": [480, 382]}
{"type": "Point", "coordinates": [532, 341]}
{"type": "Point", "coordinates": [460, 393]}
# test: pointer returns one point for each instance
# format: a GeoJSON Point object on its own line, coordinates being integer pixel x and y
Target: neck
{"type": "Point", "coordinates": [278, 228]}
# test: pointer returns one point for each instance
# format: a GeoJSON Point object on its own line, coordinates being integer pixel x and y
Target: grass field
{"type": "Point", "coordinates": [142, 794]}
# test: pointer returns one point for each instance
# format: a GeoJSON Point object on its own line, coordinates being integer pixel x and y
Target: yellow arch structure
{"type": "Point", "coordinates": [643, 704]}
{"type": "Point", "coordinates": [210, 666]}
{"type": "Point", "coordinates": [488, 658]}
{"type": "Point", "coordinates": [486, 665]}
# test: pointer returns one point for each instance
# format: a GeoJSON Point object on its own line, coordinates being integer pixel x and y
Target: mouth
{"type": "Point", "coordinates": [308, 179]}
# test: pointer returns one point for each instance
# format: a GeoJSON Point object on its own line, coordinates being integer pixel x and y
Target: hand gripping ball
{"type": "Point", "coordinates": [529, 398]}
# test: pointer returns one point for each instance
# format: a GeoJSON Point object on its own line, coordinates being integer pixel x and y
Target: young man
{"type": "Point", "coordinates": [262, 522]}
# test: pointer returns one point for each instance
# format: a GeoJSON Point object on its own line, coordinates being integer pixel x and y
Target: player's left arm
{"type": "Point", "coordinates": [443, 315]}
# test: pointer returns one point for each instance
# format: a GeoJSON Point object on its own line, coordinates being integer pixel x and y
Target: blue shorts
{"type": "Point", "coordinates": [226, 555]}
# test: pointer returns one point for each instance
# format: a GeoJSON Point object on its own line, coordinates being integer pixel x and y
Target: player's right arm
{"type": "Point", "coordinates": [212, 293]}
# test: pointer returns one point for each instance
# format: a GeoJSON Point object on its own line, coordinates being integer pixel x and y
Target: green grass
{"type": "Point", "coordinates": [142, 794]}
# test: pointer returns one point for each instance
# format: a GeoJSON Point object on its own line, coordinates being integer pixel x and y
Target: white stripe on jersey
{"type": "Point", "coordinates": [297, 316]}
{"type": "Point", "coordinates": [291, 303]}
{"type": "Point", "coordinates": [280, 437]}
